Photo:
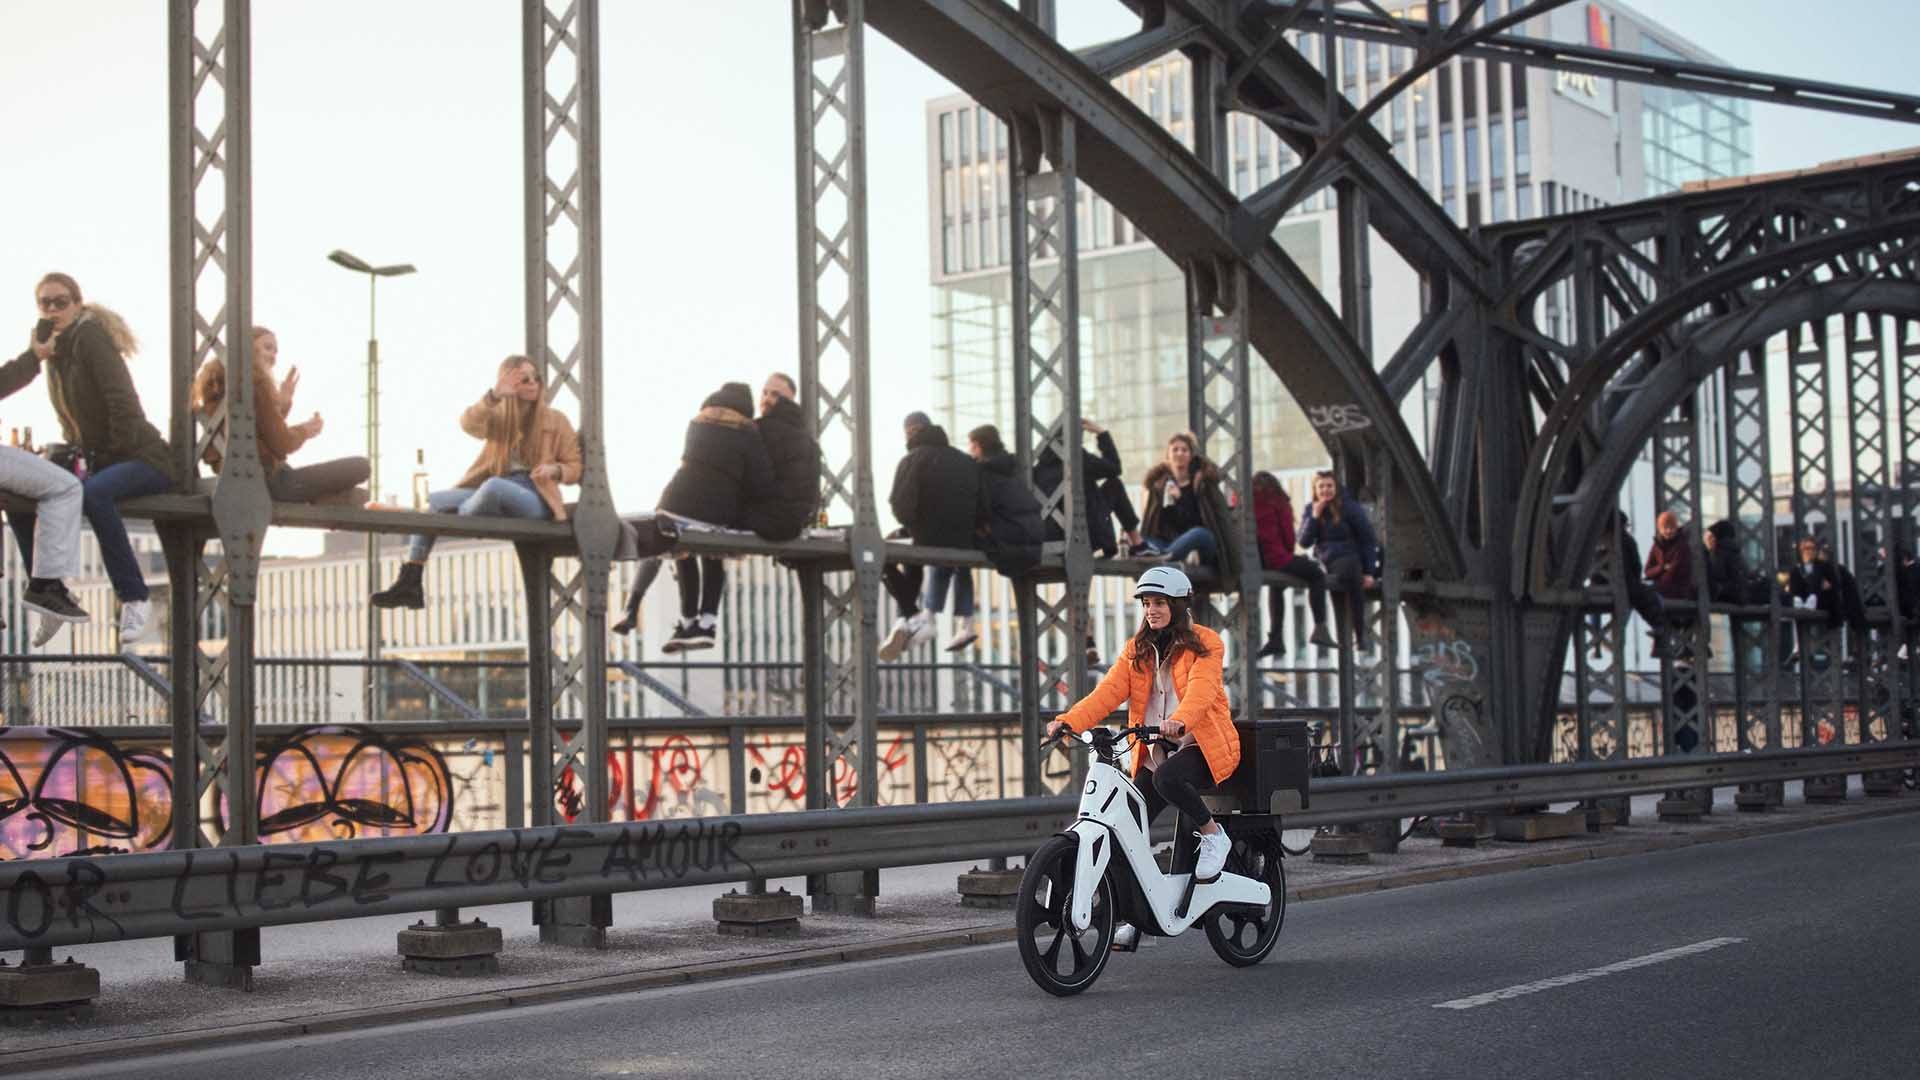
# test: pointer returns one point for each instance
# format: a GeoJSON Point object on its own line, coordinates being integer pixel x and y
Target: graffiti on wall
{"type": "Point", "coordinates": [68, 792]}
{"type": "Point", "coordinates": [65, 791]}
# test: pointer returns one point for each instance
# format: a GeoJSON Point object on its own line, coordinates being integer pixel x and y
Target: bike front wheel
{"type": "Point", "coordinates": [1063, 961]}
{"type": "Point", "coordinates": [1243, 936]}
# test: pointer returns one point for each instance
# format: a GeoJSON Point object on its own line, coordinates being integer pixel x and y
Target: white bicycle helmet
{"type": "Point", "coordinates": [1163, 581]}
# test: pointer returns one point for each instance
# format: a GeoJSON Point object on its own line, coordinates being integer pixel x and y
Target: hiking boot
{"type": "Point", "coordinates": [895, 642]}
{"type": "Point", "coordinates": [1212, 857]}
{"type": "Point", "coordinates": [1320, 637]}
{"type": "Point", "coordinates": [405, 592]}
{"type": "Point", "coordinates": [966, 631]}
{"type": "Point", "coordinates": [50, 599]}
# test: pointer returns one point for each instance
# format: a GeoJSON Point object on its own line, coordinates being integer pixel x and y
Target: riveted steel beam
{"type": "Point", "coordinates": [1631, 67]}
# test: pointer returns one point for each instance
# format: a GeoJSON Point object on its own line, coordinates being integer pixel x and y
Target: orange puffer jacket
{"type": "Point", "coordinates": [1197, 682]}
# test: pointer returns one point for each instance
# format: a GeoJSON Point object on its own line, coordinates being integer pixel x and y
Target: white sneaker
{"type": "Point", "coordinates": [966, 631]}
{"type": "Point", "coordinates": [1213, 855]}
{"type": "Point", "coordinates": [44, 631]}
{"type": "Point", "coordinates": [923, 629]}
{"type": "Point", "coordinates": [896, 639]}
{"type": "Point", "coordinates": [135, 615]}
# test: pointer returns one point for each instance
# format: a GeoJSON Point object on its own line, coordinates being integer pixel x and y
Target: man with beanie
{"type": "Point", "coordinates": [939, 501]}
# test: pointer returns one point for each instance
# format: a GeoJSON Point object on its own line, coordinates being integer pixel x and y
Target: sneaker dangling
{"type": "Point", "coordinates": [966, 631]}
{"type": "Point", "coordinates": [923, 629]}
{"type": "Point", "coordinates": [896, 640]}
{"type": "Point", "coordinates": [700, 633]}
{"type": "Point", "coordinates": [678, 642]}
{"type": "Point", "coordinates": [1212, 856]}
{"type": "Point", "coordinates": [135, 617]}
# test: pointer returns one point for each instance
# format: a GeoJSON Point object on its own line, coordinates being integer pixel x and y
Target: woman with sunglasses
{"type": "Point", "coordinates": [83, 353]}
{"type": "Point", "coordinates": [531, 449]}
{"type": "Point", "coordinates": [1170, 676]}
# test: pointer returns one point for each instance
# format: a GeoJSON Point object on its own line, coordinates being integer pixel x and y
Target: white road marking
{"type": "Point", "coordinates": [1524, 989]}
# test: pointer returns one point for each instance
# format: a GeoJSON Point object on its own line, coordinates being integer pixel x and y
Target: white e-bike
{"type": "Point", "coordinates": [1102, 871]}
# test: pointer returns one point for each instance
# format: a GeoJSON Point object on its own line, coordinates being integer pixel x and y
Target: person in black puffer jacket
{"type": "Point", "coordinates": [795, 458]}
{"type": "Point", "coordinates": [723, 471]}
{"type": "Point", "coordinates": [1102, 487]}
{"type": "Point", "coordinates": [795, 497]}
{"type": "Point", "coordinates": [1013, 534]}
{"type": "Point", "coordinates": [939, 501]}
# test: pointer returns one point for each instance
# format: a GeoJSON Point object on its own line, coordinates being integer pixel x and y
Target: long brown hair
{"type": "Point", "coordinates": [110, 320]}
{"type": "Point", "coordinates": [520, 417]}
{"type": "Point", "coordinates": [1333, 505]}
{"type": "Point", "coordinates": [1178, 635]}
{"type": "Point", "coordinates": [210, 382]}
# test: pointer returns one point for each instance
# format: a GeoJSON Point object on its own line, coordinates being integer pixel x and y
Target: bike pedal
{"type": "Point", "coordinates": [1127, 942]}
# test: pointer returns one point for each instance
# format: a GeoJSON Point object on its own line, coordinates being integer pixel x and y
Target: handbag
{"type": "Point", "coordinates": [68, 456]}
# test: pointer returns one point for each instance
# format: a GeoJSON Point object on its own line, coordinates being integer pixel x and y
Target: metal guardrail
{"type": "Point", "coordinates": [80, 900]}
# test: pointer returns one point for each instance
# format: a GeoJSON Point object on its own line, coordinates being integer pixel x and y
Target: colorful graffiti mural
{"type": "Point", "coordinates": [69, 791]}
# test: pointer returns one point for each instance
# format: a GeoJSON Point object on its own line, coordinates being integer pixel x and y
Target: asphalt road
{"type": "Point", "coordinates": [1792, 955]}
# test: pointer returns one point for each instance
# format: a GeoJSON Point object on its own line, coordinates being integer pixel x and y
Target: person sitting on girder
{"type": "Point", "coordinates": [277, 439]}
{"type": "Point", "coordinates": [1337, 529]}
{"type": "Point", "coordinates": [110, 445]}
{"type": "Point", "coordinates": [530, 449]}
{"type": "Point", "coordinates": [1273, 523]}
{"type": "Point", "coordinates": [1170, 677]}
{"type": "Point", "coordinates": [1617, 536]}
{"type": "Point", "coordinates": [1101, 488]}
{"type": "Point", "coordinates": [940, 501]}
{"type": "Point", "coordinates": [780, 513]}
{"type": "Point", "coordinates": [1185, 511]}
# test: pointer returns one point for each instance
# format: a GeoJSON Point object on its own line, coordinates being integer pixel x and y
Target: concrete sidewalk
{"type": "Point", "coordinates": [342, 975]}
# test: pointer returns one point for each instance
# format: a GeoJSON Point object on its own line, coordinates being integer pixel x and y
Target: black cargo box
{"type": "Point", "coordinates": [1272, 777]}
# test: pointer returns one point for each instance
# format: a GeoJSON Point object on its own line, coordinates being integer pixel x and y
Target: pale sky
{"type": "Point", "coordinates": [392, 129]}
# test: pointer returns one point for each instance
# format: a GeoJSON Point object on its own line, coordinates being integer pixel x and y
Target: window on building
{"type": "Point", "coordinates": [946, 138]}
{"type": "Point", "coordinates": [1473, 208]}
{"type": "Point", "coordinates": [1443, 87]}
{"type": "Point", "coordinates": [1496, 98]}
{"type": "Point", "coordinates": [1423, 159]}
{"type": "Point", "coordinates": [1523, 201]}
{"type": "Point", "coordinates": [1470, 90]}
{"type": "Point", "coordinates": [1473, 154]}
{"type": "Point", "coordinates": [1446, 157]}
{"type": "Point", "coordinates": [1499, 204]}
{"type": "Point", "coordinates": [1519, 88]}
{"type": "Point", "coordinates": [1496, 152]}
{"type": "Point", "coordinates": [1522, 148]}
{"type": "Point", "coordinates": [966, 140]}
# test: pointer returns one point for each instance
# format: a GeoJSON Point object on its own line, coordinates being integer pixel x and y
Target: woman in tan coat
{"type": "Point", "coordinates": [277, 439]}
{"type": "Point", "coordinates": [531, 449]}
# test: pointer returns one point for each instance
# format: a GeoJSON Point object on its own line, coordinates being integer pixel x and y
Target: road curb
{"type": "Point", "coordinates": [73, 1054]}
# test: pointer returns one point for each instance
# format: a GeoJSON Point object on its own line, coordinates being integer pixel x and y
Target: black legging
{"type": "Point", "coordinates": [1315, 579]}
{"type": "Point", "coordinates": [701, 582]}
{"type": "Point", "coordinates": [1177, 782]}
{"type": "Point", "coordinates": [1343, 576]}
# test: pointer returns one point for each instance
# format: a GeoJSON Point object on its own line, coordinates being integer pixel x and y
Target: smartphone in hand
{"type": "Point", "coordinates": [43, 330]}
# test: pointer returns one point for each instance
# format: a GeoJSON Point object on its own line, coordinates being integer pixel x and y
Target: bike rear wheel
{"type": "Point", "coordinates": [1243, 936]}
{"type": "Point", "coordinates": [1063, 962]}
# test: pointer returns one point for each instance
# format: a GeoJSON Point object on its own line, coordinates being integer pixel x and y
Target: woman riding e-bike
{"type": "Point", "coordinates": [1170, 677]}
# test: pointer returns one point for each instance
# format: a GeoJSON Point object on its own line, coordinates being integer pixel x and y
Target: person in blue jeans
{"type": "Point", "coordinates": [114, 450]}
{"type": "Point", "coordinates": [1185, 510]}
{"type": "Point", "coordinates": [531, 449]}
{"type": "Point", "coordinates": [1337, 529]}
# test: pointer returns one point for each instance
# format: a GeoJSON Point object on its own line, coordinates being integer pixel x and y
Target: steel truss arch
{"type": "Point", "coordinates": [1009, 65]}
{"type": "Point", "coordinates": [1723, 268]}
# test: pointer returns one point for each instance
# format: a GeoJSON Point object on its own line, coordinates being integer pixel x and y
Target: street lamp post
{"type": "Point", "coordinates": [374, 274]}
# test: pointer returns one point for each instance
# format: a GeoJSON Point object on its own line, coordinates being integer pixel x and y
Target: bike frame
{"type": "Point", "coordinates": [1113, 815]}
